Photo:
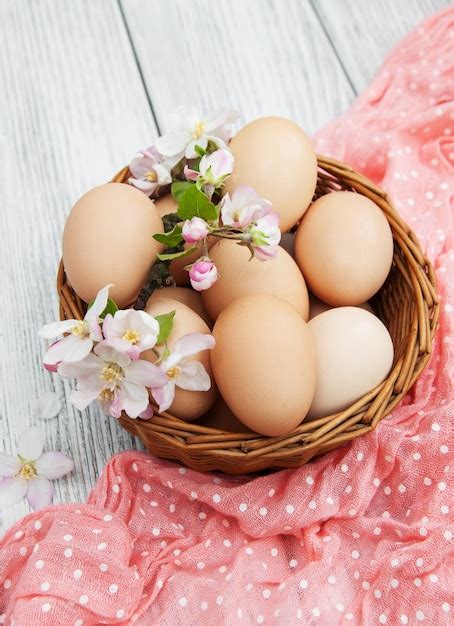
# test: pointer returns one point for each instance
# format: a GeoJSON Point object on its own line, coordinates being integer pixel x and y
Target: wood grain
{"type": "Point", "coordinates": [363, 33]}
{"type": "Point", "coordinates": [262, 58]}
{"type": "Point", "coordinates": [73, 110]}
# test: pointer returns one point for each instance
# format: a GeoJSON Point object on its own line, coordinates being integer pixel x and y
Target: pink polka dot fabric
{"type": "Point", "coordinates": [363, 535]}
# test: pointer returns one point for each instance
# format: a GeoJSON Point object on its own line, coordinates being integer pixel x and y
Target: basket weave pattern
{"type": "Point", "coordinates": [407, 304]}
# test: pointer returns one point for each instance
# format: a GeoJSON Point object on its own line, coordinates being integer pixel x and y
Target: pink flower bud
{"type": "Point", "coordinates": [203, 274]}
{"type": "Point", "coordinates": [194, 230]}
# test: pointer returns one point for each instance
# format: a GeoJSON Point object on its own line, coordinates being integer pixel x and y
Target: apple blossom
{"type": "Point", "coordinates": [194, 230]}
{"type": "Point", "coordinates": [190, 129]}
{"type": "Point", "coordinates": [150, 171]}
{"type": "Point", "coordinates": [213, 170]}
{"type": "Point", "coordinates": [29, 473]}
{"type": "Point", "coordinates": [130, 332]}
{"type": "Point", "coordinates": [181, 372]}
{"type": "Point", "coordinates": [243, 207]}
{"type": "Point", "coordinates": [203, 274]}
{"type": "Point", "coordinates": [82, 333]}
{"type": "Point", "coordinates": [265, 236]}
{"type": "Point", "coordinates": [114, 380]}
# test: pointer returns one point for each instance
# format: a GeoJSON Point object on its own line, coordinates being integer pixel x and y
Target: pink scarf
{"type": "Point", "coordinates": [363, 535]}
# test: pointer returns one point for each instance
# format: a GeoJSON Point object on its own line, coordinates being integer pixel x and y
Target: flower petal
{"type": "Point", "coordinates": [54, 465]}
{"type": "Point", "coordinates": [193, 377]}
{"type": "Point", "coordinates": [164, 396]}
{"type": "Point", "coordinates": [190, 152]}
{"type": "Point", "coordinates": [109, 354]}
{"type": "Point", "coordinates": [99, 304]}
{"type": "Point", "coordinates": [70, 349]}
{"type": "Point", "coordinates": [164, 177]}
{"type": "Point", "coordinates": [134, 401]}
{"type": "Point", "coordinates": [50, 331]}
{"type": "Point", "coordinates": [147, 414]}
{"type": "Point", "coordinates": [82, 397]}
{"type": "Point", "coordinates": [143, 185]}
{"type": "Point", "coordinates": [39, 493]}
{"type": "Point", "coordinates": [12, 490]}
{"type": "Point", "coordinates": [47, 405]}
{"type": "Point", "coordinates": [190, 344]}
{"type": "Point", "coordinates": [9, 465]}
{"type": "Point", "coordinates": [173, 143]}
{"type": "Point", "coordinates": [82, 369]}
{"type": "Point", "coordinates": [146, 374]}
{"type": "Point", "coordinates": [31, 443]}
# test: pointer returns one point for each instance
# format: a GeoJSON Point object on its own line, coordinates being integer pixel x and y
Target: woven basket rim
{"type": "Point", "coordinates": [205, 448]}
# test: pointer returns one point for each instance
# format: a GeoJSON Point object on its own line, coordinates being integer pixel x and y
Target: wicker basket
{"type": "Point", "coordinates": [407, 304]}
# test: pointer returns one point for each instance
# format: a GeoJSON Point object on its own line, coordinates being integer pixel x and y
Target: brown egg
{"type": "Point", "coordinates": [264, 363]}
{"type": "Point", "coordinates": [239, 276]}
{"type": "Point", "coordinates": [222, 418]}
{"type": "Point", "coordinates": [275, 157]}
{"type": "Point", "coordinates": [316, 306]}
{"type": "Point", "coordinates": [354, 354]}
{"type": "Point", "coordinates": [187, 296]}
{"type": "Point", "coordinates": [188, 405]}
{"type": "Point", "coordinates": [108, 238]}
{"type": "Point", "coordinates": [344, 247]}
{"type": "Point", "coordinates": [168, 204]}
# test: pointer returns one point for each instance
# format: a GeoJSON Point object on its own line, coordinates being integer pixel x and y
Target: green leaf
{"type": "Point", "coordinates": [171, 239]}
{"type": "Point", "coordinates": [194, 203]}
{"type": "Point", "coordinates": [165, 322]}
{"type": "Point", "coordinates": [177, 255]}
{"type": "Point", "coordinates": [179, 187]}
{"type": "Point", "coordinates": [200, 151]}
{"type": "Point", "coordinates": [111, 307]}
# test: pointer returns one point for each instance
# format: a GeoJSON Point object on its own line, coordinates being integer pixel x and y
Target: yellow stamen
{"type": "Point", "coordinates": [131, 335]}
{"type": "Point", "coordinates": [173, 372]}
{"type": "Point", "coordinates": [151, 176]}
{"type": "Point", "coordinates": [81, 329]}
{"type": "Point", "coordinates": [106, 396]}
{"type": "Point", "coordinates": [111, 373]}
{"type": "Point", "coordinates": [198, 131]}
{"type": "Point", "coordinates": [28, 471]}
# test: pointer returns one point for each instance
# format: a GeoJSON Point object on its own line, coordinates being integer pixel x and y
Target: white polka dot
{"type": "Point", "coordinates": [444, 449]}
{"type": "Point", "coordinates": [204, 606]}
{"type": "Point", "coordinates": [404, 618]}
{"type": "Point", "coordinates": [340, 607]}
{"type": "Point", "coordinates": [23, 550]}
{"type": "Point", "coordinates": [260, 619]}
{"type": "Point", "coordinates": [45, 586]}
{"type": "Point", "coordinates": [216, 480]}
{"type": "Point", "coordinates": [107, 518]}
{"type": "Point", "coordinates": [355, 554]}
{"type": "Point", "coordinates": [447, 534]}
{"type": "Point", "coordinates": [377, 530]}
{"type": "Point", "coordinates": [266, 593]}
{"type": "Point", "coordinates": [329, 500]}
{"type": "Point", "coordinates": [120, 613]}
{"type": "Point", "coordinates": [153, 503]}
{"type": "Point", "coordinates": [387, 490]}
{"type": "Point", "coordinates": [183, 601]}
{"type": "Point", "coordinates": [274, 551]}
{"type": "Point", "coordinates": [429, 195]}
{"type": "Point", "coordinates": [37, 525]}
{"type": "Point", "coordinates": [78, 622]}
{"type": "Point", "coordinates": [216, 498]}
{"type": "Point", "coordinates": [419, 615]}
{"type": "Point", "coordinates": [444, 509]}
{"type": "Point", "coordinates": [303, 583]}
{"type": "Point", "coordinates": [223, 569]}
{"type": "Point", "coordinates": [113, 588]}
{"type": "Point", "coordinates": [39, 564]}
{"type": "Point", "coordinates": [83, 599]}
{"type": "Point", "coordinates": [349, 616]}
{"type": "Point", "coordinates": [263, 511]}
{"type": "Point", "coordinates": [436, 427]}
{"type": "Point", "coordinates": [433, 578]}
{"type": "Point", "coordinates": [271, 492]}
{"type": "Point", "coordinates": [427, 481]}
{"type": "Point", "coordinates": [332, 580]}
{"type": "Point", "coordinates": [219, 600]}
{"type": "Point", "coordinates": [293, 563]}
{"type": "Point", "coordinates": [68, 538]}
{"type": "Point", "coordinates": [7, 583]}
{"type": "Point", "coordinates": [243, 507]}
{"type": "Point", "coordinates": [202, 515]}
{"type": "Point", "coordinates": [103, 567]}
{"type": "Point", "coordinates": [101, 546]}
{"type": "Point", "coordinates": [312, 504]}
{"type": "Point", "coordinates": [416, 456]}
{"type": "Point", "coordinates": [116, 488]}
{"type": "Point", "coordinates": [146, 487]}
{"type": "Point", "coordinates": [445, 606]}
{"type": "Point", "coordinates": [394, 583]}
{"type": "Point", "coordinates": [383, 618]}
{"type": "Point", "coordinates": [394, 562]}
{"type": "Point", "coordinates": [352, 512]}
{"type": "Point", "coordinates": [46, 607]}
{"type": "Point", "coordinates": [299, 614]}
{"type": "Point", "coordinates": [348, 489]}
{"type": "Point", "coordinates": [419, 562]}
{"type": "Point", "coordinates": [355, 535]}
{"type": "Point", "coordinates": [365, 584]}
{"type": "Point", "coordinates": [182, 470]}
{"type": "Point", "coordinates": [309, 480]}
{"type": "Point", "coordinates": [316, 612]}
{"type": "Point", "coordinates": [249, 586]}
{"type": "Point", "coordinates": [68, 553]}
{"type": "Point", "coordinates": [289, 508]}
{"type": "Point", "coordinates": [155, 531]}
{"type": "Point", "coordinates": [344, 468]}
{"type": "Point", "coordinates": [77, 573]}
{"type": "Point", "coordinates": [20, 533]}
{"type": "Point", "coordinates": [441, 486]}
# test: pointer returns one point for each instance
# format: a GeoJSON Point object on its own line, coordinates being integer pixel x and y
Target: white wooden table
{"type": "Point", "coordinates": [84, 84]}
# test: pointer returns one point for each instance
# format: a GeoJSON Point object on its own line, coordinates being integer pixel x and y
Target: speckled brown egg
{"type": "Point", "coordinates": [188, 405]}
{"type": "Point", "coordinates": [264, 363]}
{"type": "Point", "coordinates": [187, 296]}
{"type": "Point", "coordinates": [108, 238]}
{"type": "Point", "coordinates": [344, 247]}
{"type": "Point", "coordinates": [241, 276]}
{"type": "Point", "coordinates": [276, 157]}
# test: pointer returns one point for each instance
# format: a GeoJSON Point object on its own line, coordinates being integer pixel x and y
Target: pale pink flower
{"type": "Point", "coordinates": [203, 274]}
{"type": "Point", "coordinates": [150, 170]}
{"type": "Point", "coordinates": [265, 236]}
{"type": "Point", "coordinates": [114, 380]}
{"type": "Point", "coordinates": [190, 129]}
{"type": "Point", "coordinates": [194, 230]}
{"type": "Point", "coordinates": [29, 473]}
{"type": "Point", "coordinates": [213, 170]}
{"type": "Point", "coordinates": [130, 332]}
{"type": "Point", "coordinates": [243, 207]}
{"type": "Point", "coordinates": [181, 372]}
{"type": "Point", "coordinates": [82, 334]}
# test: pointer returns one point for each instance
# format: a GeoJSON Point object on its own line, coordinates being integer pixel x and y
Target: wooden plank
{"type": "Point", "coordinates": [364, 32]}
{"type": "Point", "coordinates": [73, 112]}
{"type": "Point", "coordinates": [262, 58]}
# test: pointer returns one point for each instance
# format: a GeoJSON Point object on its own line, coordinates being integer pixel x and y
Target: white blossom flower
{"type": "Point", "coordinates": [243, 207]}
{"type": "Point", "coordinates": [114, 380]}
{"type": "Point", "coordinates": [150, 170]}
{"type": "Point", "coordinates": [82, 333]}
{"type": "Point", "coordinates": [29, 473]}
{"type": "Point", "coordinates": [130, 332]}
{"type": "Point", "coordinates": [181, 372]}
{"type": "Point", "coordinates": [190, 129]}
{"type": "Point", "coordinates": [265, 236]}
{"type": "Point", "coordinates": [213, 170]}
